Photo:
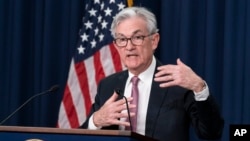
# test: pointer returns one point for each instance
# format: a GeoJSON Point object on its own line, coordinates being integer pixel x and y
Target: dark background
{"type": "Point", "coordinates": [38, 39]}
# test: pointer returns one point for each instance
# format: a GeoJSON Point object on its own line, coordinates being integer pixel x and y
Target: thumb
{"type": "Point", "coordinates": [179, 62]}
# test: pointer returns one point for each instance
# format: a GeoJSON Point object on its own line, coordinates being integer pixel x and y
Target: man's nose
{"type": "Point", "coordinates": [130, 45]}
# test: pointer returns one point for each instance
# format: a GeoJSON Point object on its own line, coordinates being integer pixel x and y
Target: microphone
{"type": "Point", "coordinates": [118, 91]}
{"type": "Point", "coordinates": [51, 90]}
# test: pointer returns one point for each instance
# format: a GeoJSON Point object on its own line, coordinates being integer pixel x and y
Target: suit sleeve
{"type": "Point", "coordinates": [205, 117]}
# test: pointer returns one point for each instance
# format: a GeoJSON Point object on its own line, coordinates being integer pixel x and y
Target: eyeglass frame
{"type": "Point", "coordinates": [131, 40]}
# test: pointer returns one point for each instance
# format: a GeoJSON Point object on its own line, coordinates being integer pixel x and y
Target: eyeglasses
{"type": "Point", "coordinates": [135, 40]}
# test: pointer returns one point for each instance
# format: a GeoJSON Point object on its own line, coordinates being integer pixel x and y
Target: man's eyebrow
{"type": "Point", "coordinates": [135, 32]}
{"type": "Point", "coordinates": [119, 34]}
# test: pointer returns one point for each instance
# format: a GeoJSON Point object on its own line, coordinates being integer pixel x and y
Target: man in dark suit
{"type": "Point", "coordinates": [171, 97]}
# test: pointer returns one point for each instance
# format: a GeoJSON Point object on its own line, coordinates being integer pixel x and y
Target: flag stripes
{"type": "Point", "coordinates": [83, 82]}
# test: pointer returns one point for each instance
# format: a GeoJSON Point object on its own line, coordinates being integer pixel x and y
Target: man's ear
{"type": "Point", "coordinates": [155, 40]}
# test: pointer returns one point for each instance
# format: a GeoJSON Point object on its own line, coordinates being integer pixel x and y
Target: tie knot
{"type": "Point", "coordinates": [135, 80]}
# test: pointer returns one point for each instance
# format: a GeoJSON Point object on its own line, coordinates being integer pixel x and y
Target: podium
{"type": "Point", "coordinates": [20, 133]}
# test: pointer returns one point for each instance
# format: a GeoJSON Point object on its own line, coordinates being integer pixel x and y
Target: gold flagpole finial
{"type": "Point", "coordinates": [130, 3]}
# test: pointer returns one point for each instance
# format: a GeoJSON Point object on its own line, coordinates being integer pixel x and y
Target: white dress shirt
{"type": "Point", "coordinates": [144, 87]}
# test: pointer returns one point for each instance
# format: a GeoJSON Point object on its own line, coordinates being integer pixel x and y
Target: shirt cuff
{"type": "Point", "coordinates": [203, 95]}
{"type": "Point", "coordinates": [91, 124]}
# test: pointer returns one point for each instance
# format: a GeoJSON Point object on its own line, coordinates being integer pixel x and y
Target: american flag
{"type": "Point", "coordinates": [95, 58]}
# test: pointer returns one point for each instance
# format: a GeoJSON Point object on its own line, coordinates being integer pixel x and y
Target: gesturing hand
{"type": "Point", "coordinates": [179, 75]}
{"type": "Point", "coordinates": [111, 112]}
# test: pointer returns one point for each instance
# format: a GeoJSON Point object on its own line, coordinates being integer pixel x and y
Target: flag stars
{"type": "Point", "coordinates": [81, 50]}
{"type": "Point", "coordinates": [101, 36]}
{"type": "Point", "coordinates": [108, 12]}
{"type": "Point", "coordinates": [99, 18]}
{"type": "Point", "coordinates": [102, 5]}
{"type": "Point", "coordinates": [104, 24]}
{"type": "Point", "coordinates": [96, 27]}
{"type": "Point", "coordinates": [120, 6]}
{"type": "Point", "coordinates": [84, 37]}
{"type": "Point", "coordinates": [96, 31]}
{"type": "Point", "coordinates": [112, 1]}
{"type": "Point", "coordinates": [88, 25]}
{"type": "Point", "coordinates": [97, 1]}
{"type": "Point", "coordinates": [92, 12]}
{"type": "Point", "coordinates": [93, 44]}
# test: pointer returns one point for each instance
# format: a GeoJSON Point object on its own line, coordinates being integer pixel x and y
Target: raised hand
{"type": "Point", "coordinates": [179, 75]}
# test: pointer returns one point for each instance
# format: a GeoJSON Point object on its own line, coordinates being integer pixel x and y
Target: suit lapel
{"type": "Point", "coordinates": [121, 81]}
{"type": "Point", "coordinates": [156, 98]}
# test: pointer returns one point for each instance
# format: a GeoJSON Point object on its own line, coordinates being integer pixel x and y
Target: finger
{"type": "Point", "coordinates": [125, 114]}
{"type": "Point", "coordinates": [123, 101]}
{"type": "Point", "coordinates": [179, 62]}
{"type": "Point", "coordinates": [166, 67]}
{"type": "Point", "coordinates": [160, 73]}
{"type": "Point", "coordinates": [168, 84]}
{"type": "Point", "coordinates": [130, 99]}
{"type": "Point", "coordinates": [121, 123]}
{"type": "Point", "coordinates": [124, 107]}
{"type": "Point", "coordinates": [163, 72]}
{"type": "Point", "coordinates": [165, 78]}
{"type": "Point", "coordinates": [115, 120]}
{"type": "Point", "coordinates": [112, 98]}
{"type": "Point", "coordinates": [166, 70]}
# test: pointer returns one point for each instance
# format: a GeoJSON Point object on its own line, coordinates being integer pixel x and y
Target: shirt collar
{"type": "Point", "coordinates": [147, 75]}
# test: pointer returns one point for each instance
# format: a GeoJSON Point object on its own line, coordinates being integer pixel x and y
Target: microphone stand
{"type": "Point", "coordinates": [52, 89]}
{"type": "Point", "coordinates": [118, 91]}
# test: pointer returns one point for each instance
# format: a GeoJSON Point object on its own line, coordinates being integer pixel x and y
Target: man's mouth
{"type": "Point", "coordinates": [132, 55]}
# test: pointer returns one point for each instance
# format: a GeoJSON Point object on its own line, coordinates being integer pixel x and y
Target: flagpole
{"type": "Point", "coordinates": [130, 3]}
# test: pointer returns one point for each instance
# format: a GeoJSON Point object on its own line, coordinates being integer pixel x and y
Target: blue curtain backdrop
{"type": "Point", "coordinates": [38, 38]}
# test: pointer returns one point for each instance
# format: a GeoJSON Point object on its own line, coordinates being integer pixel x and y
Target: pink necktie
{"type": "Point", "coordinates": [135, 95]}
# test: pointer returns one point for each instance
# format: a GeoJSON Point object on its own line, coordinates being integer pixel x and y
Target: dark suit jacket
{"type": "Point", "coordinates": [170, 111]}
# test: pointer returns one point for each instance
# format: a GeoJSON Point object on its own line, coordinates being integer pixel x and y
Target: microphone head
{"type": "Point", "coordinates": [54, 88]}
{"type": "Point", "coordinates": [118, 91]}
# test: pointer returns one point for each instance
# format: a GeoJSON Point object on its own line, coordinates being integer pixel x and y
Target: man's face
{"type": "Point", "coordinates": [136, 58]}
